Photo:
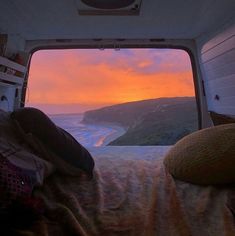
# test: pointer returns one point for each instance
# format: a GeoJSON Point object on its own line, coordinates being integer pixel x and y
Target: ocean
{"type": "Point", "coordinates": [89, 135]}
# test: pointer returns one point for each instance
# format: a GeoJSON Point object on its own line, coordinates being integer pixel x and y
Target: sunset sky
{"type": "Point", "coordinates": [71, 81]}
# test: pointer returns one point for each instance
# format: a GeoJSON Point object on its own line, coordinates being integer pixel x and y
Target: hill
{"type": "Point", "coordinates": [161, 121]}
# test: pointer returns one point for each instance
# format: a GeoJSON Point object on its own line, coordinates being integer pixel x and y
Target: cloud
{"type": "Point", "coordinates": [108, 77]}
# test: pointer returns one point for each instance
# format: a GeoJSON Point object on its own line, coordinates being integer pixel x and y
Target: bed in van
{"type": "Point", "coordinates": [52, 185]}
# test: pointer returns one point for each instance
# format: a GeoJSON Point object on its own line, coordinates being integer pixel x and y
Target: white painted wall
{"type": "Point", "coordinates": [217, 61]}
{"type": "Point", "coordinates": [8, 93]}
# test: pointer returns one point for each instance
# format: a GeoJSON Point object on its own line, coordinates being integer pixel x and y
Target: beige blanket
{"type": "Point", "coordinates": [132, 194]}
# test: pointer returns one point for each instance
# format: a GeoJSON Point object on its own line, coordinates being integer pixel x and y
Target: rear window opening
{"type": "Point", "coordinates": [126, 97]}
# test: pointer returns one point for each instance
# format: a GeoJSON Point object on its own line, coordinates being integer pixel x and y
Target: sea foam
{"type": "Point", "coordinates": [89, 135]}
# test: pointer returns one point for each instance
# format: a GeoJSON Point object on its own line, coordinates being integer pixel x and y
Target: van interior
{"type": "Point", "coordinates": [53, 184]}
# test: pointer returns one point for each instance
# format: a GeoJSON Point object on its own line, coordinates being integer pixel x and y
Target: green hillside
{"type": "Point", "coordinates": [160, 121]}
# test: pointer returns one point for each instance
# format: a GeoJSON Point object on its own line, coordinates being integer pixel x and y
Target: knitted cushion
{"type": "Point", "coordinates": [204, 157]}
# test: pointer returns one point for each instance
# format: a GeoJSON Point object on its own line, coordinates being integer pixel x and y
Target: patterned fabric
{"type": "Point", "coordinates": [15, 182]}
{"type": "Point", "coordinates": [20, 171]}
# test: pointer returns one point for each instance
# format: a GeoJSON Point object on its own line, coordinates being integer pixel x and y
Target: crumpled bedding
{"type": "Point", "coordinates": [132, 194]}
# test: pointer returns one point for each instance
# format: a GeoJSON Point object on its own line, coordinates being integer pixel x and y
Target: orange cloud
{"type": "Point", "coordinates": [98, 78]}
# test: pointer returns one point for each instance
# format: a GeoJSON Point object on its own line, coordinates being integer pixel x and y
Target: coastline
{"type": "Point", "coordinates": [96, 134]}
{"type": "Point", "coordinates": [116, 131]}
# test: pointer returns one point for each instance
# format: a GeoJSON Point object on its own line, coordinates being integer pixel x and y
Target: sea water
{"type": "Point", "coordinates": [87, 134]}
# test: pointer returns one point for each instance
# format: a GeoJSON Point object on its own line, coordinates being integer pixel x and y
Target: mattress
{"type": "Point", "coordinates": [131, 193]}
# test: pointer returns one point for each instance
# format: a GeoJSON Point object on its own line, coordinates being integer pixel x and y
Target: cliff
{"type": "Point", "coordinates": [160, 121]}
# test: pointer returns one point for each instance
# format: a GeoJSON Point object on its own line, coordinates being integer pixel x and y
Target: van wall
{"type": "Point", "coordinates": [6, 94]}
{"type": "Point", "coordinates": [217, 62]}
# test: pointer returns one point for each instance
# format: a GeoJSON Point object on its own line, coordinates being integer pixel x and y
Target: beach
{"type": "Point", "coordinates": [89, 135]}
{"type": "Point", "coordinates": [115, 132]}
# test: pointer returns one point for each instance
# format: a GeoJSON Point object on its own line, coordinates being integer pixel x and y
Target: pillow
{"type": "Point", "coordinates": [58, 140]}
{"type": "Point", "coordinates": [61, 166]}
{"type": "Point", "coordinates": [220, 119]}
{"type": "Point", "coordinates": [204, 157]}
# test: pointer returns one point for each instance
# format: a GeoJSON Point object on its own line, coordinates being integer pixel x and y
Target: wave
{"type": "Point", "coordinates": [88, 135]}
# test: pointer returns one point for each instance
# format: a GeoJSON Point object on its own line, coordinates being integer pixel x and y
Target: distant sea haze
{"type": "Point", "coordinates": [75, 108]}
{"type": "Point", "coordinates": [89, 135]}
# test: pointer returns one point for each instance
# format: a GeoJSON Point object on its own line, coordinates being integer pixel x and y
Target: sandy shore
{"type": "Point", "coordinates": [116, 131]}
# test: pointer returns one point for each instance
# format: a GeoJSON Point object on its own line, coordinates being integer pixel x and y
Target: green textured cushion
{"type": "Point", "coordinates": [204, 157]}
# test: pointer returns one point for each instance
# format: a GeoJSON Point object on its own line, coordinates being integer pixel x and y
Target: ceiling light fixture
{"type": "Point", "coordinates": [108, 7]}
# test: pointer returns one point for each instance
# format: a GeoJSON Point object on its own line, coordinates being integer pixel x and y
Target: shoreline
{"type": "Point", "coordinates": [96, 134]}
{"type": "Point", "coordinates": [116, 132]}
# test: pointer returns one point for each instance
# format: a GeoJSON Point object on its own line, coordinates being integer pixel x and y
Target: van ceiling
{"type": "Point", "coordinates": [59, 19]}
